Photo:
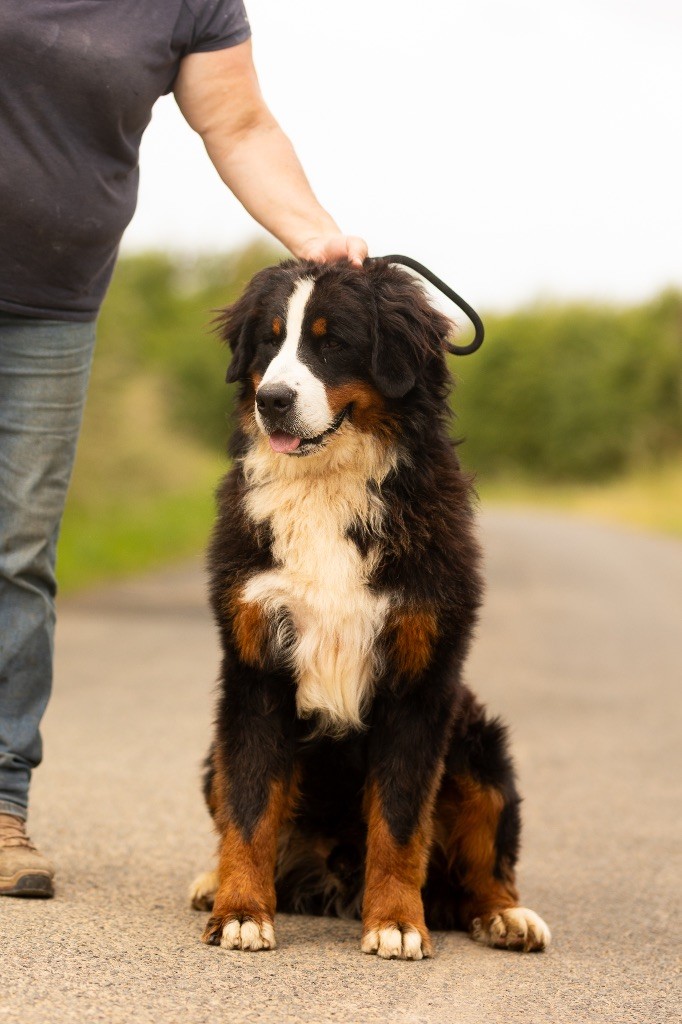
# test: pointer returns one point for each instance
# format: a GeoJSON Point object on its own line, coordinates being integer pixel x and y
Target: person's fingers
{"type": "Point", "coordinates": [356, 250]}
{"type": "Point", "coordinates": [329, 248]}
{"type": "Point", "coordinates": [316, 253]}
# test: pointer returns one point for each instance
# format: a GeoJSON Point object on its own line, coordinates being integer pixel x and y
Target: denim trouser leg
{"type": "Point", "coordinates": [44, 370]}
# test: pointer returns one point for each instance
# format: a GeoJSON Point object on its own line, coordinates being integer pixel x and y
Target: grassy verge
{"type": "Point", "coordinates": [142, 494]}
{"type": "Point", "coordinates": [118, 539]}
{"type": "Point", "coordinates": [650, 500]}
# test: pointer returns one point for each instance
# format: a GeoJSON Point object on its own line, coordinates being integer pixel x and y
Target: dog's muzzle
{"type": "Point", "coordinates": [276, 405]}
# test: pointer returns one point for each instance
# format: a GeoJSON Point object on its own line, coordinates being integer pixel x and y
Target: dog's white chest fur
{"type": "Point", "coordinates": [321, 577]}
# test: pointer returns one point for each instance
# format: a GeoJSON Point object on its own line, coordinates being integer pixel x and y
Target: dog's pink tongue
{"type": "Point", "coordinates": [281, 442]}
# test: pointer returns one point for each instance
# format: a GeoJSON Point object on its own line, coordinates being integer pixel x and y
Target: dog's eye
{"type": "Point", "coordinates": [331, 344]}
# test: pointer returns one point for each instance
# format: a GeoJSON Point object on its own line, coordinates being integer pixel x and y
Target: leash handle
{"type": "Point", "coordinates": [458, 350]}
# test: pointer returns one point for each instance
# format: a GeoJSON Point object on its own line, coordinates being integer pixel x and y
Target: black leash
{"type": "Point", "coordinates": [458, 350]}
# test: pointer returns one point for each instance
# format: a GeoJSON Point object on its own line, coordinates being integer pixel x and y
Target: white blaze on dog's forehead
{"type": "Point", "coordinates": [284, 367]}
{"type": "Point", "coordinates": [312, 409]}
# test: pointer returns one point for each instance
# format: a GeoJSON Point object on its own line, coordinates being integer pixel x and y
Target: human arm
{"type": "Point", "coordinates": [219, 96]}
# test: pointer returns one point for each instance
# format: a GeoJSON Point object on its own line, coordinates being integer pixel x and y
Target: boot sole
{"type": "Point", "coordinates": [33, 885]}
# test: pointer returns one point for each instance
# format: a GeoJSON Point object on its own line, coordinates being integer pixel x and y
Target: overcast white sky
{"type": "Point", "coordinates": [520, 149]}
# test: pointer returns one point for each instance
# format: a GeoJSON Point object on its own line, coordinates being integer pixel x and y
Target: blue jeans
{"type": "Point", "coordinates": [44, 371]}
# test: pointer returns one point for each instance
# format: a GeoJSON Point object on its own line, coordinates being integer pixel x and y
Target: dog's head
{"type": "Point", "coordinates": [316, 345]}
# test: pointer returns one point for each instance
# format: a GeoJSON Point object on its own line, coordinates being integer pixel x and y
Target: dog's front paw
{"type": "Point", "coordinates": [394, 941]}
{"type": "Point", "coordinates": [203, 889]}
{"type": "Point", "coordinates": [517, 928]}
{"type": "Point", "coordinates": [239, 932]}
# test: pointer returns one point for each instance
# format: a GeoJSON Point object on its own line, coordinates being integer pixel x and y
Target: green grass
{"type": "Point", "coordinates": [142, 495]}
{"type": "Point", "coordinates": [120, 538]}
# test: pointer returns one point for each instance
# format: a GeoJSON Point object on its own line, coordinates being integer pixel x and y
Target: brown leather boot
{"type": "Point", "coordinates": [23, 871]}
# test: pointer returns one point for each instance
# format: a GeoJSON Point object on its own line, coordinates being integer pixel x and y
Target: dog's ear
{"type": "Point", "coordinates": [237, 323]}
{"type": "Point", "coordinates": [408, 330]}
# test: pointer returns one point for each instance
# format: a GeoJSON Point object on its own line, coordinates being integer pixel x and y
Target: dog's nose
{"type": "Point", "coordinates": [274, 399]}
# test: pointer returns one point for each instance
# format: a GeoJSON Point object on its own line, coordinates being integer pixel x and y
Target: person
{"type": "Point", "coordinates": [76, 92]}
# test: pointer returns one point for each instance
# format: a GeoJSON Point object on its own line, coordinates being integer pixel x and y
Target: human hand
{"type": "Point", "coordinates": [328, 248]}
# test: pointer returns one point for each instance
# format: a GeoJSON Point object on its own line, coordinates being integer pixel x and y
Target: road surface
{"type": "Point", "coordinates": [580, 648]}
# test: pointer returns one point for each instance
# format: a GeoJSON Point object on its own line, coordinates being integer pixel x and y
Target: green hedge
{"type": "Point", "coordinates": [575, 392]}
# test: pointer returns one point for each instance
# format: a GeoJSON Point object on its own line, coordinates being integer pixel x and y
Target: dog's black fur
{"type": "Point", "coordinates": [421, 797]}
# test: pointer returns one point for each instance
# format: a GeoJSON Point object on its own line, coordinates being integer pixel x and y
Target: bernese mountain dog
{"type": "Point", "coordinates": [352, 771]}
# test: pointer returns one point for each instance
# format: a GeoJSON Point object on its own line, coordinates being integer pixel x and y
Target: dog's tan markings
{"type": "Point", "coordinates": [466, 822]}
{"type": "Point", "coordinates": [412, 632]}
{"type": "Point", "coordinates": [244, 904]}
{"type": "Point", "coordinates": [217, 795]}
{"type": "Point", "coordinates": [247, 416]}
{"type": "Point", "coordinates": [319, 327]}
{"type": "Point", "coordinates": [392, 912]}
{"type": "Point", "coordinates": [250, 628]}
{"type": "Point", "coordinates": [369, 409]}
{"type": "Point", "coordinates": [250, 625]}
{"type": "Point", "coordinates": [277, 326]}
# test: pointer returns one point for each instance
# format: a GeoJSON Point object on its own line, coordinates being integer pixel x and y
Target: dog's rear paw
{"type": "Point", "coordinates": [240, 933]}
{"type": "Point", "coordinates": [396, 942]}
{"type": "Point", "coordinates": [203, 889]}
{"type": "Point", "coordinates": [517, 928]}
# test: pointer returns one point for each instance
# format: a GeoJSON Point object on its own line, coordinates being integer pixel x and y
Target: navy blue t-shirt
{"type": "Point", "coordinates": [78, 79]}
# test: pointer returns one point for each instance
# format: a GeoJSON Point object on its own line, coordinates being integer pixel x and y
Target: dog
{"type": "Point", "coordinates": [352, 771]}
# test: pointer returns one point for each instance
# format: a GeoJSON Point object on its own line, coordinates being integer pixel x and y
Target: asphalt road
{"type": "Point", "coordinates": [580, 648]}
